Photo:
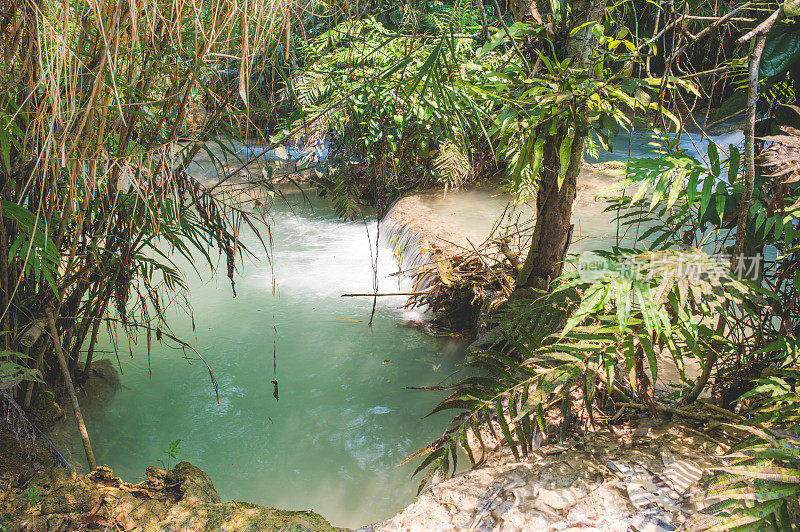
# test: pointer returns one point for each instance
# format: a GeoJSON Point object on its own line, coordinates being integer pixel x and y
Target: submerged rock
{"type": "Point", "coordinates": [181, 499]}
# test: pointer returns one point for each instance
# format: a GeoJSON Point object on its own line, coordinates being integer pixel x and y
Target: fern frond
{"type": "Point", "coordinates": [756, 491]}
{"type": "Point", "coordinates": [452, 164]}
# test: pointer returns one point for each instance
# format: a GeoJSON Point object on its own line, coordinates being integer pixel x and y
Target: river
{"type": "Point", "coordinates": [344, 418]}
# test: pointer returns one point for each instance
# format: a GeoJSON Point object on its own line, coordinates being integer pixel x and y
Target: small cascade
{"type": "Point", "coordinates": [408, 251]}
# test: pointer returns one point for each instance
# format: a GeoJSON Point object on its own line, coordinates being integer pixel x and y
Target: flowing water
{"type": "Point", "coordinates": [641, 141]}
{"type": "Point", "coordinates": [343, 420]}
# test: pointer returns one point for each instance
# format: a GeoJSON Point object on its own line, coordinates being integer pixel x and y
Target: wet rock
{"type": "Point", "coordinates": [44, 409]}
{"type": "Point", "coordinates": [64, 493]}
{"type": "Point", "coordinates": [240, 516]}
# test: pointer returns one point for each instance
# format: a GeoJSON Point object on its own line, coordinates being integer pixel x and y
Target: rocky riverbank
{"type": "Point", "coordinates": [638, 478]}
{"type": "Point", "coordinates": [183, 498]}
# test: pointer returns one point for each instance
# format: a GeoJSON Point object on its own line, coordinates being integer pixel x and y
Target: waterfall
{"type": "Point", "coordinates": [408, 250]}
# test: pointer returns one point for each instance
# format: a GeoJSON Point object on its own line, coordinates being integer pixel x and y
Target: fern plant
{"type": "Point", "coordinates": [452, 164]}
{"type": "Point", "coordinates": [761, 488]}
{"type": "Point", "coordinates": [589, 340]}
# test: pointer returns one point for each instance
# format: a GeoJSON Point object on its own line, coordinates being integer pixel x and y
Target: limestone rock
{"type": "Point", "coordinates": [194, 483]}
{"type": "Point", "coordinates": [598, 484]}
{"type": "Point", "coordinates": [181, 499]}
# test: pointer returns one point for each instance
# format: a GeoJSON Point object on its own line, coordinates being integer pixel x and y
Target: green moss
{"type": "Point", "coordinates": [246, 516]}
{"type": "Point", "coordinates": [44, 409]}
{"type": "Point", "coordinates": [246, 504]}
{"type": "Point", "coordinates": [69, 497]}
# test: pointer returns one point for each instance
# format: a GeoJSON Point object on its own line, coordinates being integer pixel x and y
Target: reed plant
{"type": "Point", "coordinates": [103, 106]}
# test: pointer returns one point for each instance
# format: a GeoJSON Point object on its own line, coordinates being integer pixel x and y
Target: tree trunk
{"type": "Point", "coordinates": [87, 445]}
{"type": "Point", "coordinates": [525, 11]}
{"type": "Point", "coordinates": [553, 203]}
{"type": "Point", "coordinates": [553, 212]}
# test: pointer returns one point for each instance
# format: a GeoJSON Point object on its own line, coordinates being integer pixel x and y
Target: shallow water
{"type": "Point", "coordinates": [476, 210]}
{"type": "Point", "coordinates": [344, 419]}
{"type": "Point", "coordinates": [640, 143]}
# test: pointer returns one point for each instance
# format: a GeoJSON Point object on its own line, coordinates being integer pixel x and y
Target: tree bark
{"type": "Point", "coordinates": [553, 228]}
{"type": "Point", "coordinates": [526, 11]}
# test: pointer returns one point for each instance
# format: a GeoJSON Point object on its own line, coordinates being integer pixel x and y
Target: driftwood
{"type": "Point", "coordinates": [512, 257]}
{"type": "Point", "coordinates": [474, 280]}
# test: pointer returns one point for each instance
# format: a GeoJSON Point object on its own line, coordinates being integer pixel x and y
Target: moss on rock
{"type": "Point", "coordinates": [44, 409]}
{"type": "Point", "coordinates": [181, 499]}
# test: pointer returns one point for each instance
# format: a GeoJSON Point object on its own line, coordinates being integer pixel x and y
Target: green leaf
{"type": "Point", "coordinates": [721, 197]}
{"type": "Point", "coordinates": [593, 300]}
{"type": "Point", "coordinates": [762, 493]}
{"type": "Point", "coordinates": [713, 155]}
{"type": "Point", "coordinates": [773, 473]}
{"type": "Point", "coordinates": [745, 517]}
{"type": "Point", "coordinates": [521, 160]}
{"type": "Point", "coordinates": [538, 155]}
{"type": "Point", "coordinates": [564, 155]}
{"type": "Point", "coordinates": [623, 301]}
{"type": "Point", "coordinates": [49, 278]}
{"type": "Point", "coordinates": [428, 459]}
{"type": "Point", "coordinates": [462, 438]}
{"type": "Point", "coordinates": [733, 164]}
{"type": "Point", "coordinates": [501, 419]}
{"type": "Point", "coordinates": [781, 49]}
{"type": "Point", "coordinates": [5, 145]}
{"type": "Point", "coordinates": [705, 195]}
{"type": "Point", "coordinates": [610, 123]}
{"type": "Point", "coordinates": [691, 187]}
{"type": "Point", "coordinates": [733, 105]}
{"type": "Point", "coordinates": [18, 213]}
{"type": "Point", "coordinates": [677, 188]}
{"type": "Point", "coordinates": [643, 294]}
{"type": "Point", "coordinates": [647, 345]}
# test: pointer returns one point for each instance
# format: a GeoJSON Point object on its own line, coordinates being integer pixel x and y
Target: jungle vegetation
{"type": "Point", "coordinates": [104, 104]}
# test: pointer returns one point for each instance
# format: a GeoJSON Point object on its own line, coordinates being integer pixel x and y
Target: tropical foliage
{"type": "Point", "coordinates": [104, 105]}
{"type": "Point", "coordinates": [95, 142]}
{"type": "Point", "coordinates": [384, 89]}
{"type": "Point", "coordinates": [674, 288]}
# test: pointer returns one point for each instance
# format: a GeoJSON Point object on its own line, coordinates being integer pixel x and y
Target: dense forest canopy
{"type": "Point", "coordinates": [104, 105]}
